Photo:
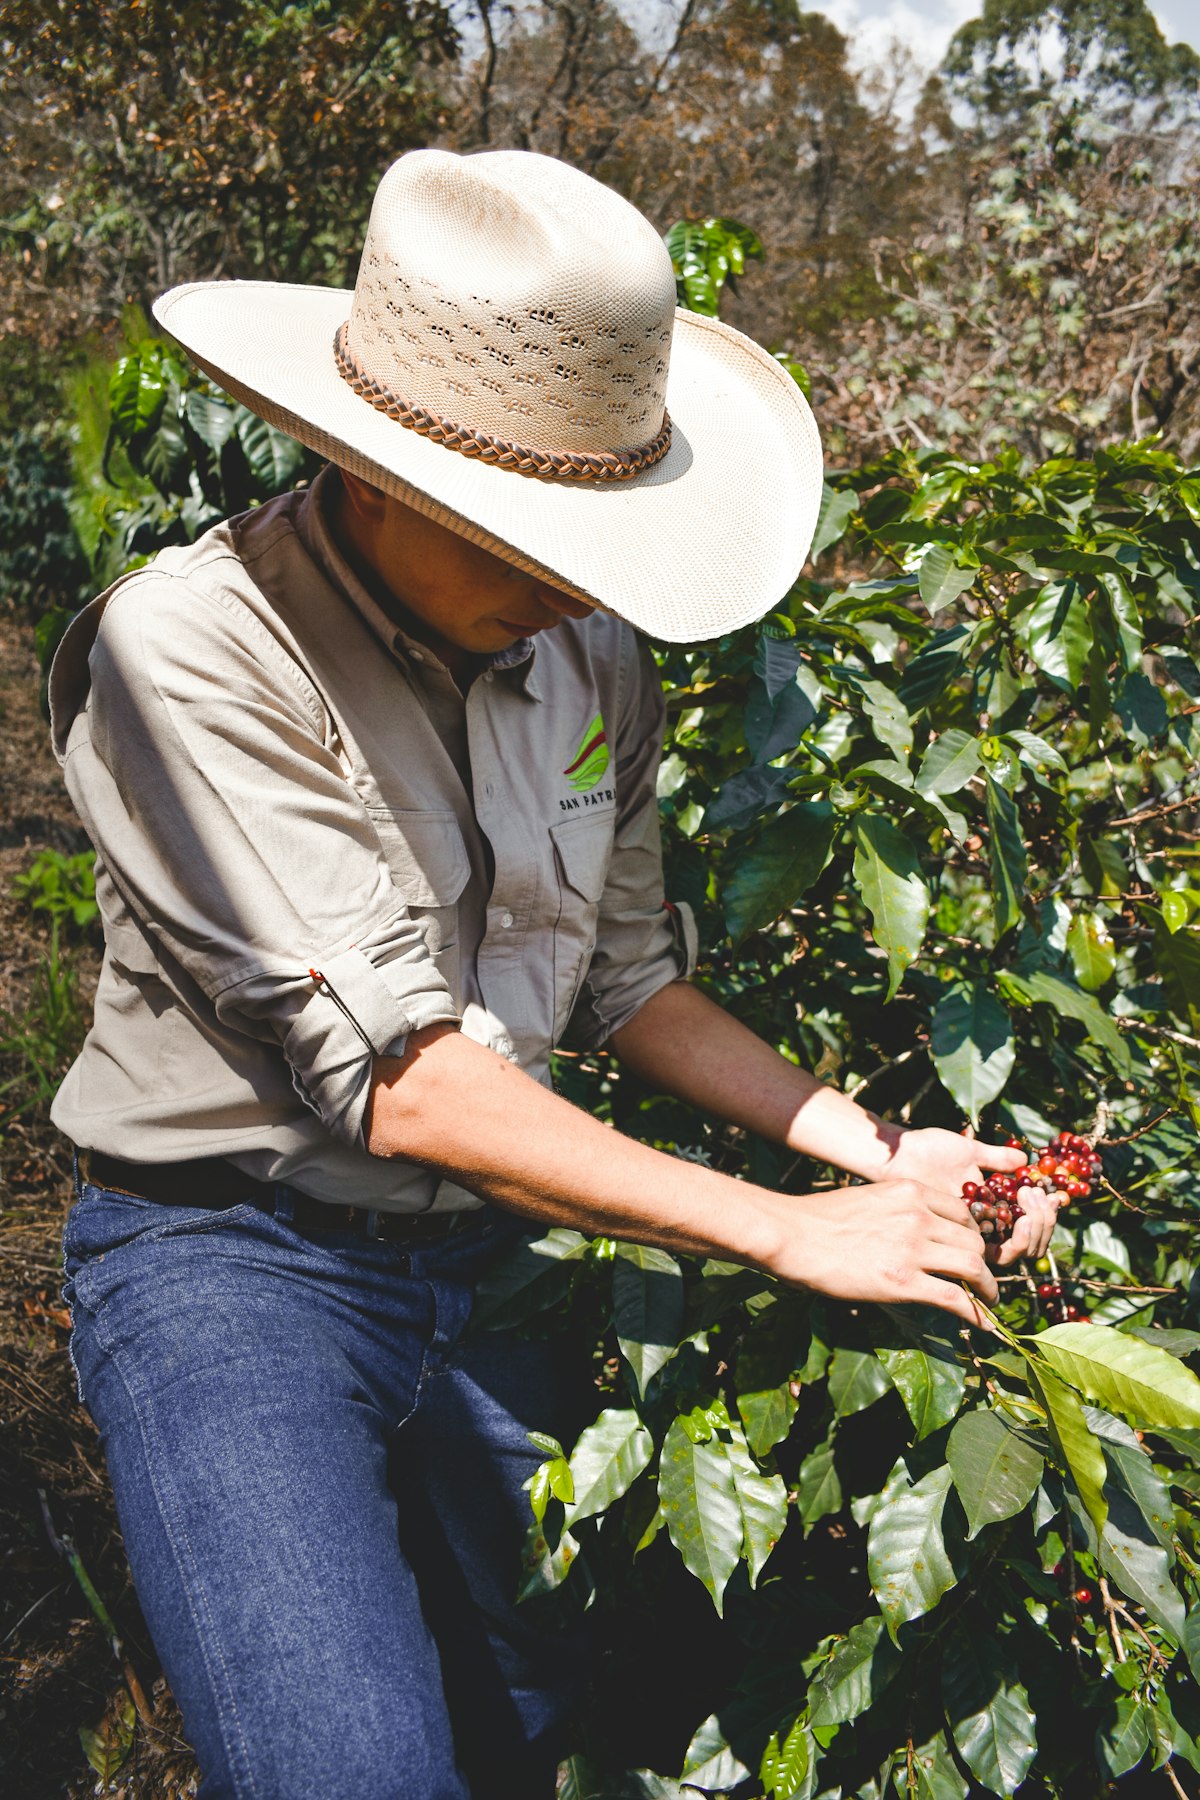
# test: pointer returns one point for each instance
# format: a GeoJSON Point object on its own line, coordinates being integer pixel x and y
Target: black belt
{"type": "Point", "coordinates": [211, 1181]}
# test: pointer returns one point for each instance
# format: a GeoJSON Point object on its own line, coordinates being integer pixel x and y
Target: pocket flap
{"type": "Point", "coordinates": [584, 847]}
{"type": "Point", "coordinates": [425, 853]}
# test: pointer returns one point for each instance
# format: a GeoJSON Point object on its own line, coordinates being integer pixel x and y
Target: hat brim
{"type": "Point", "coordinates": [706, 540]}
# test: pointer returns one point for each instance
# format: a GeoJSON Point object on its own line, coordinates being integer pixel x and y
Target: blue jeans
{"type": "Point", "coordinates": [319, 1481]}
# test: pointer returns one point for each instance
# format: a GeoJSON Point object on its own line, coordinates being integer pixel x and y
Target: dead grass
{"type": "Point", "coordinates": [59, 1673]}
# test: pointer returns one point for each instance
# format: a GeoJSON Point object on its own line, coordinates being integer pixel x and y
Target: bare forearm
{"type": "Point", "coordinates": [684, 1044]}
{"type": "Point", "coordinates": [455, 1106]}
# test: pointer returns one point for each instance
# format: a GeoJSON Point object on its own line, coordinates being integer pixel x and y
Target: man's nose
{"type": "Point", "coordinates": [564, 606]}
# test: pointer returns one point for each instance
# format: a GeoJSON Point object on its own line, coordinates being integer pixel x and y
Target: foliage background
{"type": "Point", "coordinates": [937, 815]}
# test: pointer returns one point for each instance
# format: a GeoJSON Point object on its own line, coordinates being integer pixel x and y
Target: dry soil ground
{"type": "Point", "coordinates": [59, 1673]}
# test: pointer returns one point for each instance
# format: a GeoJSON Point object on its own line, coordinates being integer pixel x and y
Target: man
{"type": "Point", "coordinates": [370, 775]}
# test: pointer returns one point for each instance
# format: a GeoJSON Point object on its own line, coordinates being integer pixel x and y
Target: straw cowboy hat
{"type": "Point", "coordinates": [512, 363]}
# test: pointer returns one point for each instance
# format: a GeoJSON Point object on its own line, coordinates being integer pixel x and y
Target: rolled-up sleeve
{"type": "Point", "coordinates": [643, 941]}
{"type": "Point", "coordinates": [210, 779]}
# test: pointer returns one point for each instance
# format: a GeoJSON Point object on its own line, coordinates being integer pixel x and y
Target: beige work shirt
{"type": "Point", "coordinates": [310, 843]}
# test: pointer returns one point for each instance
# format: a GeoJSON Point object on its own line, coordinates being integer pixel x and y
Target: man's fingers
{"type": "Point", "coordinates": [949, 1206]}
{"type": "Point", "coordinates": [966, 1262]}
{"type": "Point", "coordinates": [929, 1291]}
{"type": "Point", "coordinates": [999, 1156]}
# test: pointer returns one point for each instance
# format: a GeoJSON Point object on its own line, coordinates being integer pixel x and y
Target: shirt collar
{"type": "Point", "coordinates": [312, 524]}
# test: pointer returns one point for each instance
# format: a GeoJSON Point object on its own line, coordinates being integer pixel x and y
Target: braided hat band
{"type": "Point", "coordinates": [568, 465]}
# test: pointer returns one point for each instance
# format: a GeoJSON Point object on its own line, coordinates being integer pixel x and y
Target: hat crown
{"type": "Point", "coordinates": [518, 297]}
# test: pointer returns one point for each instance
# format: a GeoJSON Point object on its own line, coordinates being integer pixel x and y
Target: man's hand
{"type": "Point", "coordinates": [889, 1241]}
{"type": "Point", "coordinates": [945, 1159]}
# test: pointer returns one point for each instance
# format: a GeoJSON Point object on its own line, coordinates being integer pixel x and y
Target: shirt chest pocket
{"type": "Point", "coordinates": [429, 866]}
{"type": "Point", "coordinates": [582, 850]}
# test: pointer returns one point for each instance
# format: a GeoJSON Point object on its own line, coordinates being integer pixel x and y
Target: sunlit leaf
{"type": "Point", "coordinates": [972, 1044]}
{"type": "Point", "coordinates": [931, 1382]}
{"type": "Point", "coordinates": [1009, 861]}
{"type": "Point", "coordinates": [996, 1470]}
{"type": "Point", "coordinates": [907, 1563]}
{"type": "Point", "coordinates": [888, 872]}
{"type": "Point", "coordinates": [700, 1503]}
{"type": "Point", "coordinates": [941, 579]}
{"type": "Point", "coordinates": [607, 1460]}
{"type": "Point", "coordinates": [1123, 1373]}
{"type": "Point", "coordinates": [1093, 953]}
{"type": "Point", "coordinates": [1079, 1451]}
{"type": "Point", "coordinates": [856, 1381]}
{"type": "Point", "coordinates": [993, 1723]}
{"type": "Point", "coordinates": [862, 1665]}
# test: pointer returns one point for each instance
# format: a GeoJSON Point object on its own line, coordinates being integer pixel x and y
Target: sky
{"type": "Point", "coordinates": [926, 26]}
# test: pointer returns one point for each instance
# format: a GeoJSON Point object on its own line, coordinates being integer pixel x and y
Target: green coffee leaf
{"type": "Point", "coordinates": [907, 1563]}
{"type": "Point", "coordinates": [1176, 910]}
{"type": "Point", "coordinates": [1141, 708]}
{"type": "Point", "coordinates": [1124, 1738]}
{"type": "Point", "coordinates": [941, 580]}
{"type": "Point", "coordinates": [935, 666]}
{"type": "Point", "coordinates": [700, 1503]}
{"type": "Point", "coordinates": [1070, 1002]}
{"type": "Point", "coordinates": [996, 1471]}
{"type": "Point", "coordinates": [274, 459]}
{"type": "Point", "coordinates": [838, 507]}
{"type": "Point", "coordinates": [1177, 956]}
{"type": "Point", "coordinates": [931, 1382]}
{"type": "Point", "coordinates": [1123, 1374]}
{"type": "Point", "coordinates": [1009, 862]}
{"type": "Point", "coordinates": [779, 709]}
{"type": "Point", "coordinates": [1103, 866]}
{"type": "Point", "coordinates": [888, 872]}
{"type": "Point", "coordinates": [888, 715]}
{"type": "Point", "coordinates": [1132, 1470]}
{"type": "Point", "coordinates": [994, 1726]}
{"type": "Point", "coordinates": [1079, 1450]}
{"type": "Point", "coordinates": [932, 1773]}
{"type": "Point", "coordinates": [785, 1766]}
{"type": "Point", "coordinates": [1137, 1562]}
{"type": "Point", "coordinates": [1057, 632]}
{"type": "Point", "coordinates": [767, 1415]}
{"type": "Point", "coordinates": [1093, 953]}
{"type": "Point", "coordinates": [533, 1278]}
{"type": "Point", "coordinates": [546, 1562]}
{"type": "Point", "coordinates": [1125, 618]}
{"type": "Point", "coordinates": [137, 389]}
{"type": "Point", "coordinates": [647, 1308]}
{"type": "Point", "coordinates": [856, 1381]}
{"type": "Point", "coordinates": [862, 1665]}
{"type": "Point", "coordinates": [214, 421]}
{"type": "Point", "coordinates": [818, 1487]}
{"type": "Point", "coordinates": [607, 1460]}
{"type": "Point", "coordinates": [949, 762]}
{"type": "Point", "coordinates": [973, 1047]}
{"type": "Point", "coordinates": [762, 1500]}
{"type": "Point", "coordinates": [780, 865]}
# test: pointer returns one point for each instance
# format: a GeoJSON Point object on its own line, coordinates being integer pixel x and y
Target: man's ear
{"type": "Point", "coordinates": [366, 502]}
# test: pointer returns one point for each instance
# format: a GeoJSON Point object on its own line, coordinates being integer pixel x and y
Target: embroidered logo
{"type": "Point", "coordinates": [591, 759]}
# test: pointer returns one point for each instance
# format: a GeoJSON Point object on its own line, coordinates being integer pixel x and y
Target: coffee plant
{"type": "Point", "coordinates": [937, 818]}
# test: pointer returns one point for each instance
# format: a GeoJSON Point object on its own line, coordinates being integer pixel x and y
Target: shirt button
{"type": "Point", "coordinates": [489, 675]}
{"type": "Point", "coordinates": [506, 920]}
{"type": "Point", "coordinates": [416, 656]}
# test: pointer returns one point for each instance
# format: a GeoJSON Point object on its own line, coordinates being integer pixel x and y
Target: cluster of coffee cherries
{"type": "Point", "coordinates": [1058, 1304]}
{"type": "Point", "coordinates": [1064, 1170]}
